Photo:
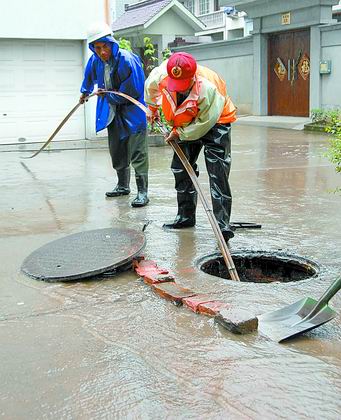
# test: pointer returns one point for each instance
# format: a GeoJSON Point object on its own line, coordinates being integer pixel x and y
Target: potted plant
{"type": "Point", "coordinates": [155, 136]}
{"type": "Point", "coordinates": [150, 61]}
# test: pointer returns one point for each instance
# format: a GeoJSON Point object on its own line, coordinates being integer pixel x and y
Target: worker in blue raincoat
{"type": "Point", "coordinates": [112, 68]}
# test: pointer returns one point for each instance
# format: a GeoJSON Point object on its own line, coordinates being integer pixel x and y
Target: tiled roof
{"type": "Point", "coordinates": [139, 13]}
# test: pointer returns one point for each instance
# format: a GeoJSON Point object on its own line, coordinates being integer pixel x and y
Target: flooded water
{"type": "Point", "coordinates": [110, 348]}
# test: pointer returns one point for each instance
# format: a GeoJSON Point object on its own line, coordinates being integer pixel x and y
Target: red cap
{"type": "Point", "coordinates": [181, 68]}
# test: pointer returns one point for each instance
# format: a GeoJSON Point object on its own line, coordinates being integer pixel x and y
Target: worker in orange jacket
{"type": "Point", "coordinates": [194, 102]}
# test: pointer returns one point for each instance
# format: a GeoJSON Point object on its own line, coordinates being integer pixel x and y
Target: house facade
{"type": "Point", "coordinates": [162, 21]}
{"type": "Point", "coordinates": [219, 23]}
{"type": "Point", "coordinates": [290, 63]}
{"type": "Point", "coordinates": [222, 23]}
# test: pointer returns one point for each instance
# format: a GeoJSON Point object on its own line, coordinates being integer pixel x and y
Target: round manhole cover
{"type": "Point", "coordinates": [262, 267]}
{"type": "Point", "coordinates": [84, 254]}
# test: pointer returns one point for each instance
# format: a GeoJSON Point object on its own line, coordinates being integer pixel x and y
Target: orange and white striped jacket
{"type": "Point", "coordinates": [206, 104]}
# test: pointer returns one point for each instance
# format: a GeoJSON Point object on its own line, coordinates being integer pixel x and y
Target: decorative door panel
{"type": "Point", "coordinates": [289, 73]}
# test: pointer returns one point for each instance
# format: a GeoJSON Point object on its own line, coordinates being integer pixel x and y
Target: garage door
{"type": "Point", "coordinates": [39, 84]}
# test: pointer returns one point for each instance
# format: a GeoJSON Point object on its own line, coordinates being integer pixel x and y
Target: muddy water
{"type": "Point", "coordinates": [110, 348]}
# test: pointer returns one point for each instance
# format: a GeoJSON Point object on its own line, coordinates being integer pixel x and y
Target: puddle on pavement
{"type": "Point", "coordinates": [111, 347]}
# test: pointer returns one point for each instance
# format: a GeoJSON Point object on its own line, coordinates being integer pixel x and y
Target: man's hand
{"type": "Point", "coordinates": [154, 117]}
{"type": "Point", "coordinates": [82, 98]}
{"type": "Point", "coordinates": [100, 92]}
{"type": "Point", "coordinates": [173, 136]}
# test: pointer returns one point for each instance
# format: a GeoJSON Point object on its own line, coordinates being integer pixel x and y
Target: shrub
{"type": "Point", "coordinates": [166, 53]}
{"type": "Point", "coordinates": [333, 127]}
{"type": "Point", "coordinates": [331, 120]}
{"type": "Point", "coordinates": [125, 44]}
{"type": "Point", "coordinates": [157, 130]}
{"type": "Point", "coordinates": [325, 117]}
{"type": "Point", "coordinates": [149, 54]}
{"type": "Point", "coordinates": [317, 115]}
{"type": "Point", "coordinates": [151, 62]}
{"type": "Point", "coordinates": [334, 151]}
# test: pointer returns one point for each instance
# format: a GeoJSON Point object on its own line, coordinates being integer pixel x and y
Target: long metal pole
{"type": "Point", "coordinates": [213, 221]}
{"type": "Point", "coordinates": [56, 131]}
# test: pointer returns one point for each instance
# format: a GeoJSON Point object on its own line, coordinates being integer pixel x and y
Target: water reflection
{"type": "Point", "coordinates": [111, 347]}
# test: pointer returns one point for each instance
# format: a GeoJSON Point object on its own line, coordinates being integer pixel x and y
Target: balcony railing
{"type": "Point", "coordinates": [214, 19]}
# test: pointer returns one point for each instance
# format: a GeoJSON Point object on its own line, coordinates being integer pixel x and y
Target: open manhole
{"type": "Point", "coordinates": [261, 267]}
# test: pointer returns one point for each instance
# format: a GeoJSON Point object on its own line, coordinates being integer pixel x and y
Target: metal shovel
{"type": "Point", "coordinates": [299, 317]}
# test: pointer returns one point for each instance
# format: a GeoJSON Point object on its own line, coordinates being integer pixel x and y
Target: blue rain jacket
{"type": "Point", "coordinates": [127, 77]}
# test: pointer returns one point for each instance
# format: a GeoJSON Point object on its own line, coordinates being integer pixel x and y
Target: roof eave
{"type": "Point", "coordinates": [184, 13]}
{"type": "Point", "coordinates": [128, 31]}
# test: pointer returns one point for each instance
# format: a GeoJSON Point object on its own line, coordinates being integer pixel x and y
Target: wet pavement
{"type": "Point", "coordinates": [110, 348]}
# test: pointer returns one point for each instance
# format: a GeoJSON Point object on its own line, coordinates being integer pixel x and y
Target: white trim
{"type": "Point", "coordinates": [189, 17]}
{"type": "Point", "coordinates": [211, 31]}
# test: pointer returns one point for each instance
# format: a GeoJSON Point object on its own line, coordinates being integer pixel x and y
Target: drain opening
{"type": "Point", "coordinates": [262, 267]}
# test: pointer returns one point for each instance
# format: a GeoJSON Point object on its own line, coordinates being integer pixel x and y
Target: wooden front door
{"type": "Point", "coordinates": [289, 73]}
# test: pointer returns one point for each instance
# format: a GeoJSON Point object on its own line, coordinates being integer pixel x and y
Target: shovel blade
{"type": "Point", "coordinates": [290, 321]}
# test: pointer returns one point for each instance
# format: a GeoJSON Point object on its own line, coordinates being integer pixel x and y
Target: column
{"type": "Point", "coordinates": [260, 74]}
{"type": "Point", "coordinates": [315, 78]}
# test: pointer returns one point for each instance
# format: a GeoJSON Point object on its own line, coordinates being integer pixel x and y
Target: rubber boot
{"type": "Point", "coordinates": [142, 190]}
{"type": "Point", "coordinates": [218, 163]}
{"type": "Point", "coordinates": [228, 233]}
{"type": "Point", "coordinates": [186, 211]}
{"type": "Point", "coordinates": [122, 187]}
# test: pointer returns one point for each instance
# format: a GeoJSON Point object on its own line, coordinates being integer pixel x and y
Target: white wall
{"type": "Point", "coordinates": [170, 24]}
{"type": "Point", "coordinates": [233, 61]}
{"type": "Point", "coordinates": [331, 50]}
{"type": "Point", "coordinates": [49, 19]}
{"type": "Point", "coordinates": [118, 7]}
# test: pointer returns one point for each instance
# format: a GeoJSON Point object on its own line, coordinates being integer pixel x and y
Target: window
{"type": "Point", "coordinates": [204, 7]}
{"type": "Point", "coordinates": [189, 4]}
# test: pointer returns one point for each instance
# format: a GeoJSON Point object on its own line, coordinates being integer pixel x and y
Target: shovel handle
{"type": "Point", "coordinates": [325, 298]}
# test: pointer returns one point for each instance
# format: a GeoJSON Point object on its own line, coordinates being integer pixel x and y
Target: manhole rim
{"type": "Point", "coordinates": [281, 255]}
